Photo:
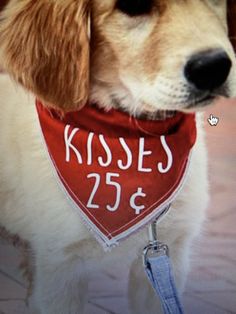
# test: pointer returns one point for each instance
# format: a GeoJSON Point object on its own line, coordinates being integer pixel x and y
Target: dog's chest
{"type": "Point", "coordinates": [120, 173]}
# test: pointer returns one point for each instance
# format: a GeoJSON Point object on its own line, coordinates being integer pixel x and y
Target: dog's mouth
{"type": "Point", "coordinates": [200, 101]}
{"type": "Point", "coordinates": [194, 101]}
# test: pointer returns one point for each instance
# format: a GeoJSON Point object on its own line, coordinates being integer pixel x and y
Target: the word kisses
{"type": "Point", "coordinates": [125, 161]}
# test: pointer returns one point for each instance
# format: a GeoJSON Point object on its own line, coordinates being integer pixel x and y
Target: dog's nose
{"type": "Point", "coordinates": [208, 70]}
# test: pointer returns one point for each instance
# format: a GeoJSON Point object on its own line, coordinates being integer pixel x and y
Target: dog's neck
{"type": "Point", "coordinates": [158, 115]}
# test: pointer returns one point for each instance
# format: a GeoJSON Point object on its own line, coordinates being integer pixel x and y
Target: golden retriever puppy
{"type": "Point", "coordinates": [149, 59]}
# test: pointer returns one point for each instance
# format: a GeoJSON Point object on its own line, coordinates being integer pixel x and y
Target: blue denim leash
{"type": "Point", "coordinates": [158, 268]}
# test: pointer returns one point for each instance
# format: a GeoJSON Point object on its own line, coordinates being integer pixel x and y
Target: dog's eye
{"type": "Point", "coordinates": [135, 7]}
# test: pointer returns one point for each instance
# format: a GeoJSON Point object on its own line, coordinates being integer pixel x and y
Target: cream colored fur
{"type": "Point", "coordinates": [32, 203]}
{"type": "Point", "coordinates": [34, 207]}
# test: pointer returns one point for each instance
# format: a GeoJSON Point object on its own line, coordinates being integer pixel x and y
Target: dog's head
{"type": "Point", "coordinates": [142, 55]}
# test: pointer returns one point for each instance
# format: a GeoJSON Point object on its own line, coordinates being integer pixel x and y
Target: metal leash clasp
{"type": "Point", "coordinates": [154, 248]}
{"type": "Point", "coordinates": [158, 268]}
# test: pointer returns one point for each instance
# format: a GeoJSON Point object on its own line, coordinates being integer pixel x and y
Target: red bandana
{"type": "Point", "coordinates": [120, 172]}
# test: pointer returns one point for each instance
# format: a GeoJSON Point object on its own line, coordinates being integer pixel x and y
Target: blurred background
{"type": "Point", "coordinates": [211, 286]}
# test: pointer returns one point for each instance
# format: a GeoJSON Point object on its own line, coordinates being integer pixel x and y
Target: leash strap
{"type": "Point", "coordinates": [159, 272]}
{"type": "Point", "coordinates": [158, 268]}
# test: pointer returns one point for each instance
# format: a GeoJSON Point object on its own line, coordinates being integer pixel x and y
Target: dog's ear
{"type": "Point", "coordinates": [232, 21]}
{"type": "Point", "coordinates": [44, 45]}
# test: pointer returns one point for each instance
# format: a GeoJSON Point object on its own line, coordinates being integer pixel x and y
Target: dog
{"type": "Point", "coordinates": [146, 59]}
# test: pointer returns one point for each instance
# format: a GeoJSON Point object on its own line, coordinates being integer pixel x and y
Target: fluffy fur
{"type": "Point", "coordinates": [67, 52]}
